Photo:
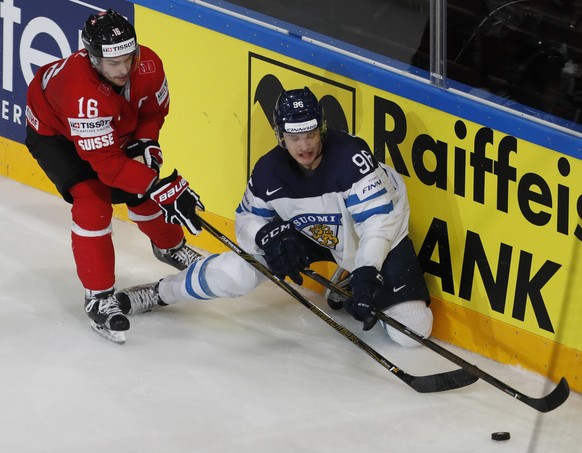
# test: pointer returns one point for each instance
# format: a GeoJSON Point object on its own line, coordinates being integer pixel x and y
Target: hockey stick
{"type": "Point", "coordinates": [544, 404]}
{"type": "Point", "coordinates": [424, 384]}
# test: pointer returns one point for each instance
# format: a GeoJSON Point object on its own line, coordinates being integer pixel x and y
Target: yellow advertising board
{"type": "Point", "coordinates": [496, 220]}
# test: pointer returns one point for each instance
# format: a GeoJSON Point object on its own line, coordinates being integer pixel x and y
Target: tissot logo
{"type": "Point", "coordinates": [337, 100]}
{"type": "Point", "coordinates": [115, 50]}
{"type": "Point", "coordinates": [83, 127]}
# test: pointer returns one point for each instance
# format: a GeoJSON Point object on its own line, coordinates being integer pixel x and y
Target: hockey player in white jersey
{"type": "Point", "coordinates": [319, 195]}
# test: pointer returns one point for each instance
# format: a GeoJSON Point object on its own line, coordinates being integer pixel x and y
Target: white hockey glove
{"type": "Point", "coordinates": [178, 201]}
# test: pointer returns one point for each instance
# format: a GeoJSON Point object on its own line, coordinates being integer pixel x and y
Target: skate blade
{"type": "Point", "coordinates": [140, 311]}
{"type": "Point", "coordinates": [116, 337]}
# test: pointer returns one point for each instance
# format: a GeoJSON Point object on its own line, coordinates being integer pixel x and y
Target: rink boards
{"type": "Point", "coordinates": [496, 198]}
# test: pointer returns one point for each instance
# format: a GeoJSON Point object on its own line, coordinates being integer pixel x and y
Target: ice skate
{"type": "Point", "coordinates": [139, 299]}
{"type": "Point", "coordinates": [106, 317]}
{"type": "Point", "coordinates": [342, 278]}
{"type": "Point", "coordinates": [179, 257]}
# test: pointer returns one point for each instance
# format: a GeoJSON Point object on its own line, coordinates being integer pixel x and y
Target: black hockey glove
{"type": "Point", "coordinates": [365, 282]}
{"type": "Point", "coordinates": [284, 252]}
{"type": "Point", "coordinates": [178, 201]}
{"type": "Point", "coordinates": [147, 152]}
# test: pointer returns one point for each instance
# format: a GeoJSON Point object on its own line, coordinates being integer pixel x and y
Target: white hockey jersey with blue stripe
{"type": "Point", "coordinates": [350, 204]}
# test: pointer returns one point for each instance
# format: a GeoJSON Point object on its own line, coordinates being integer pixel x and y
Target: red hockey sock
{"type": "Point", "coordinates": [95, 259]}
{"type": "Point", "coordinates": [150, 220]}
{"type": "Point", "coordinates": [91, 234]}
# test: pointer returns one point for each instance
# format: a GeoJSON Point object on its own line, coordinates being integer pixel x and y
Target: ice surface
{"type": "Point", "coordinates": [259, 374]}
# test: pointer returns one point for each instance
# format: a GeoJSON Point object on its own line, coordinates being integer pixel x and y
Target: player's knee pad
{"type": "Point", "coordinates": [415, 315]}
{"type": "Point", "coordinates": [92, 210]}
{"type": "Point", "coordinates": [230, 276]}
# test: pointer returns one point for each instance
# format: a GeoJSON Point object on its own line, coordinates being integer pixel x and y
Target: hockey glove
{"type": "Point", "coordinates": [147, 152]}
{"type": "Point", "coordinates": [284, 252]}
{"type": "Point", "coordinates": [365, 282]}
{"type": "Point", "coordinates": [178, 201]}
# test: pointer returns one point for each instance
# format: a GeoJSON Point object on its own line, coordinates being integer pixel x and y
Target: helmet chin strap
{"type": "Point", "coordinates": [95, 62]}
{"type": "Point", "coordinates": [318, 155]}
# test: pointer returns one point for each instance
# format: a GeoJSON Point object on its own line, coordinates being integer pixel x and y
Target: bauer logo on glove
{"type": "Point", "coordinates": [178, 202]}
{"type": "Point", "coordinates": [172, 190]}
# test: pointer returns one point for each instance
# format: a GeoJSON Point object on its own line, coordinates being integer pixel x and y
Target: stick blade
{"type": "Point", "coordinates": [552, 400]}
{"type": "Point", "coordinates": [441, 382]}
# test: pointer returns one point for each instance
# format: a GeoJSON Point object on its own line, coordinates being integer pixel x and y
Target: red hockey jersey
{"type": "Point", "coordinates": [68, 97]}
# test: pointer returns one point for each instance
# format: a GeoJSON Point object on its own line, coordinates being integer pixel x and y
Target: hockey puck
{"type": "Point", "coordinates": [500, 435]}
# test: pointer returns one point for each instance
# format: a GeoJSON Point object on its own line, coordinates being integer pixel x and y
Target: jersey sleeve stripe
{"type": "Point", "coordinates": [267, 213]}
{"type": "Point", "coordinates": [262, 212]}
{"type": "Point", "coordinates": [365, 215]}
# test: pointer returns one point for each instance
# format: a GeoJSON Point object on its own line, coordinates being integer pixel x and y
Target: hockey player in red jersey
{"type": "Point", "coordinates": [93, 122]}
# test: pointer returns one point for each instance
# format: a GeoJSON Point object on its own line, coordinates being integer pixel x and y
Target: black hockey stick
{"type": "Point", "coordinates": [424, 384]}
{"type": "Point", "coordinates": [544, 404]}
